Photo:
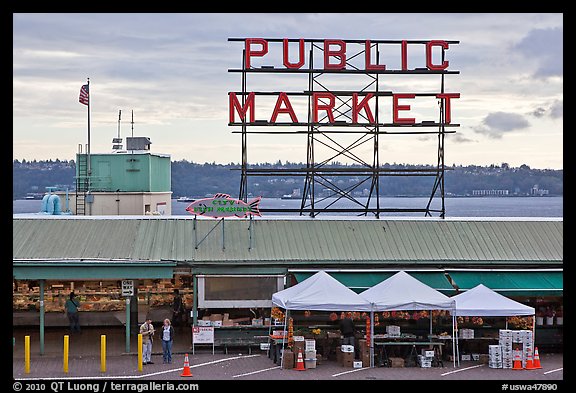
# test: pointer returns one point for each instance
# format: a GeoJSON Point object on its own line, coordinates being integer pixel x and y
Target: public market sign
{"type": "Point", "coordinates": [336, 59]}
{"type": "Point", "coordinates": [222, 205]}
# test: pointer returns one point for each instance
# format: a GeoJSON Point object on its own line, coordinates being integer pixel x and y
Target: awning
{"type": "Point", "coordinates": [509, 283]}
{"type": "Point", "coordinates": [91, 270]}
{"type": "Point", "coordinates": [360, 281]}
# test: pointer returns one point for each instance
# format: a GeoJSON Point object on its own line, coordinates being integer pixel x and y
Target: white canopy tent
{"type": "Point", "coordinates": [320, 292]}
{"type": "Point", "coordinates": [482, 301]}
{"type": "Point", "coordinates": [404, 292]}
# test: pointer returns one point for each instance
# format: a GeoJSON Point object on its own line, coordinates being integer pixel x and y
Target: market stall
{"type": "Point", "coordinates": [320, 292]}
{"type": "Point", "coordinates": [482, 301]}
{"type": "Point", "coordinates": [404, 292]}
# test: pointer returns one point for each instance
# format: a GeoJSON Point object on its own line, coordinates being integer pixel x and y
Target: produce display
{"type": "Point", "coordinates": [95, 295]}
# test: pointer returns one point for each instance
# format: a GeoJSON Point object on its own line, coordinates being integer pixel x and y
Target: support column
{"type": "Point", "coordinates": [42, 317]}
{"type": "Point", "coordinates": [128, 302]}
{"type": "Point", "coordinates": [195, 300]}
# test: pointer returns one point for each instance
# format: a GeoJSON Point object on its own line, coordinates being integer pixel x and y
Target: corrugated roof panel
{"type": "Point", "coordinates": [292, 240]}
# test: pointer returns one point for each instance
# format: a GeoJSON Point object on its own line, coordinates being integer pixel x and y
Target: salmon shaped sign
{"type": "Point", "coordinates": [222, 205]}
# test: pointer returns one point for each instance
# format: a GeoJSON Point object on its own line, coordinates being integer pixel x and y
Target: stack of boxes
{"type": "Point", "coordinates": [288, 359]}
{"type": "Point", "coordinates": [527, 341]}
{"type": "Point", "coordinates": [346, 356]}
{"type": "Point", "coordinates": [393, 331]}
{"type": "Point", "coordinates": [310, 353]}
{"type": "Point", "coordinates": [495, 356]}
{"type": "Point", "coordinates": [425, 359]}
{"type": "Point", "coordinates": [364, 348]}
{"type": "Point", "coordinates": [466, 334]}
{"type": "Point", "coordinates": [505, 341]}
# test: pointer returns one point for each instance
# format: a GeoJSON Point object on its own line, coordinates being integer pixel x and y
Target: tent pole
{"type": "Point", "coordinates": [430, 325]}
{"type": "Point", "coordinates": [453, 344]}
{"type": "Point", "coordinates": [457, 340]}
{"type": "Point", "coordinates": [283, 339]}
{"type": "Point", "coordinates": [372, 338]}
{"type": "Point", "coordinates": [534, 330]}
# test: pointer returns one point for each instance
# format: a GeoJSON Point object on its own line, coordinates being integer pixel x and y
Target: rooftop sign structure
{"type": "Point", "coordinates": [342, 109]}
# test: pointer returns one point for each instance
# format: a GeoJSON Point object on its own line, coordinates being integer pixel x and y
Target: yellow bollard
{"type": "Point", "coordinates": [66, 342]}
{"type": "Point", "coordinates": [103, 353]}
{"type": "Point", "coordinates": [140, 352]}
{"type": "Point", "coordinates": [27, 354]}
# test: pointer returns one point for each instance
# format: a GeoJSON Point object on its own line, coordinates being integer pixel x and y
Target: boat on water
{"type": "Point", "coordinates": [289, 196]}
{"type": "Point", "coordinates": [185, 199]}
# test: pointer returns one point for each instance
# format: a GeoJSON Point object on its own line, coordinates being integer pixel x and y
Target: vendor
{"type": "Point", "coordinates": [347, 329]}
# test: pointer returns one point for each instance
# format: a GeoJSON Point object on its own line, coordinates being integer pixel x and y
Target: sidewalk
{"type": "Point", "coordinates": [87, 343]}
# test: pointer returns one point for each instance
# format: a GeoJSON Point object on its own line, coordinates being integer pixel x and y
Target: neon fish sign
{"type": "Point", "coordinates": [222, 205]}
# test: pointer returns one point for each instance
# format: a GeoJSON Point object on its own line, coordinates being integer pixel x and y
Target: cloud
{"type": "Point", "coordinates": [459, 138]}
{"type": "Point", "coordinates": [497, 124]}
{"type": "Point", "coordinates": [554, 110]}
{"type": "Point", "coordinates": [557, 109]}
{"type": "Point", "coordinates": [545, 46]}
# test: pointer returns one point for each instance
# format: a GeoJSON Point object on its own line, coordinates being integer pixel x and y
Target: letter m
{"type": "Point", "coordinates": [235, 105]}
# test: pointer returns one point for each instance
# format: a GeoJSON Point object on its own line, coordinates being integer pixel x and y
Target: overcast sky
{"type": "Point", "coordinates": [172, 71]}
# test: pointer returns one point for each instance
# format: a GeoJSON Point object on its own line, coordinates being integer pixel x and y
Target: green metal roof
{"type": "Point", "coordinates": [292, 242]}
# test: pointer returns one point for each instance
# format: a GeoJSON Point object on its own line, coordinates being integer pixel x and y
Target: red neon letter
{"type": "Point", "coordinates": [356, 108]}
{"type": "Point", "coordinates": [300, 54]}
{"type": "Point", "coordinates": [396, 108]}
{"type": "Point", "coordinates": [367, 54]}
{"type": "Point", "coordinates": [283, 98]}
{"type": "Point", "coordinates": [234, 104]}
{"type": "Point", "coordinates": [250, 52]}
{"type": "Point", "coordinates": [341, 54]}
{"type": "Point", "coordinates": [327, 107]}
{"type": "Point", "coordinates": [404, 55]}
{"type": "Point", "coordinates": [429, 46]}
{"type": "Point", "coordinates": [447, 96]}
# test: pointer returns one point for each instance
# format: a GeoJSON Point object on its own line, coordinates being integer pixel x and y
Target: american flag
{"type": "Point", "coordinates": [83, 95]}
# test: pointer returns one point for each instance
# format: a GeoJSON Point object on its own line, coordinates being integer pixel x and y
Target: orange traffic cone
{"type": "Point", "coordinates": [536, 359]}
{"type": "Point", "coordinates": [517, 361]}
{"type": "Point", "coordinates": [529, 361]}
{"type": "Point", "coordinates": [300, 362]}
{"type": "Point", "coordinates": [186, 371]}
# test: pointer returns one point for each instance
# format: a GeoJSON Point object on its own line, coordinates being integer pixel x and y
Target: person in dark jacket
{"type": "Point", "coordinates": [347, 329]}
{"type": "Point", "coordinates": [71, 306]}
{"type": "Point", "coordinates": [177, 308]}
{"type": "Point", "coordinates": [167, 340]}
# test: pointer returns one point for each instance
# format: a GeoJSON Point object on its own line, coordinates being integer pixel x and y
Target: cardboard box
{"type": "Point", "coordinates": [466, 357]}
{"type": "Point", "coordinates": [216, 323]}
{"type": "Point", "coordinates": [257, 322]}
{"type": "Point", "coordinates": [476, 356]}
{"type": "Point", "coordinates": [348, 363]}
{"type": "Point", "coordinates": [365, 357]}
{"type": "Point", "coordinates": [347, 357]}
{"type": "Point", "coordinates": [216, 317]}
{"type": "Point", "coordinates": [396, 362]}
{"type": "Point", "coordinates": [204, 323]}
{"type": "Point", "coordinates": [227, 322]}
{"type": "Point", "coordinates": [298, 338]}
{"type": "Point", "coordinates": [288, 359]}
{"type": "Point", "coordinates": [428, 353]}
{"type": "Point", "coordinates": [357, 364]}
{"type": "Point", "coordinates": [319, 358]}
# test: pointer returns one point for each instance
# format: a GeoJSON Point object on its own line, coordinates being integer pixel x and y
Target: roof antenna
{"type": "Point", "coordinates": [132, 123]}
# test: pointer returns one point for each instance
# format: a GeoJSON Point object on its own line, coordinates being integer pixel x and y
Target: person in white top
{"type": "Point", "coordinates": [167, 339]}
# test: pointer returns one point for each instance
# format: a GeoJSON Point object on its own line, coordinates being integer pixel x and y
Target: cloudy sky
{"type": "Point", "coordinates": [171, 70]}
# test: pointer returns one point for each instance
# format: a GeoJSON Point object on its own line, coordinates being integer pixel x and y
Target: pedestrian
{"type": "Point", "coordinates": [167, 339]}
{"type": "Point", "coordinates": [147, 332]}
{"type": "Point", "coordinates": [347, 329]}
{"type": "Point", "coordinates": [177, 308]}
{"type": "Point", "coordinates": [71, 307]}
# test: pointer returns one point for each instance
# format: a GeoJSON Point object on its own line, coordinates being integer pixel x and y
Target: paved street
{"type": "Point", "coordinates": [84, 362]}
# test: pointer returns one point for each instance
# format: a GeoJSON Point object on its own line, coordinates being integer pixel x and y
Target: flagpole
{"type": "Point", "coordinates": [88, 149]}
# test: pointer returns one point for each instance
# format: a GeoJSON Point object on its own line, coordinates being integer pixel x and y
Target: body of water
{"type": "Point", "coordinates": [455, 207]}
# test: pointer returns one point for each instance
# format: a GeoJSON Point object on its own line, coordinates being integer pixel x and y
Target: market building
{"type": "Point", "coordinates": [227, 270]}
